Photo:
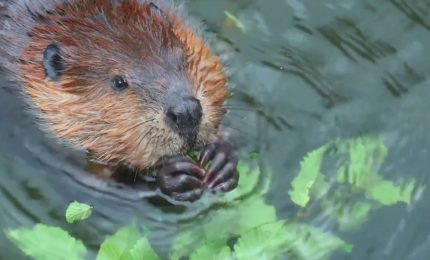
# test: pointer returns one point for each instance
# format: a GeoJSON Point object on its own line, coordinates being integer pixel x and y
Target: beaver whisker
{"type": "Point", "coordinates": [240, 108]}
{"type": "Point", "coordinates": [156, 138]}
{"type": "Point", "coordinates": [166, 141]}
{"type": "Point", "coordinates": [136, 173]}
{"type": "Point", "coordinates": [137, 125]}
{"type": "Point", "coordinates": [238, 115]}
{"type": "Point", "coordinates": [143, 137]}
{"type": "Point", "coordinates": [170, 147]}
{"type": "Point", "coordinates": [250, 109]}
{"type": "Point", "coordinates": [160, 141]}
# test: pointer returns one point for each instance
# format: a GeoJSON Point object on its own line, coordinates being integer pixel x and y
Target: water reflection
{"type": "Point", "coordinates": [351, 41]}
{"type": "Point", "coordinates": [304, 73]}
{"type": "Point", "coordinates": [296, 63]}
{"type": "Point", "coordinates": [417, 11]}
{"type": "Point", "coordinates": [402, 81]}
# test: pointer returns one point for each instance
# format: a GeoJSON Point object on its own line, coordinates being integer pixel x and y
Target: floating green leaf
{"type": "Point", "coordinates": [365, 157]}
{"type": "Point", "coordinates": [309, 172]}
{"type": "Point", "coordinates": [387, 193]}
{"type": "Point", "coordinates": [279, 239]}
{"type": "Point", "coordinates": [78, 212]}
{"type": "Point", "coordinates": [254, 155]}
{"type": "Point", "coordinates": [142, 250]}
{"type": "Point", "coordinates": [126, 243]}
{"type": "Point", "coordinates": [235, 21]}
{"type": "Point", "coordinates": [47, 243]}
{"type": "Point", "coordinates": [233, 220]}
{"type": "Point", "coordinates": [313, 243]}
{"type": "Point", "coordinates": [359, 161]}
{"type": "Point", "coordinates": [243, 211]}
{"type": "Point", "coordinates": [267, 241]}
{"type": "Point", "coordinates": [208, 252]}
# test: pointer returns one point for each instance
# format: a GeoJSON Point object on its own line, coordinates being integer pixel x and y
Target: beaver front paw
{"type": "Point", "coordinates": [222, 174]}
{"type": "Point", "coordinates": [181, 179]}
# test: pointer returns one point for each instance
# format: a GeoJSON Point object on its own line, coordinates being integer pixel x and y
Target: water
{"type": "Point", "coordinates": [304, 72]}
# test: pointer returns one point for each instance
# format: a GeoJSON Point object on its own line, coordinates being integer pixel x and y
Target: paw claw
{"type": "Point", "coordinates": [222, 173]}
{"type": "Point", "coordinates": [181, 179]}
{"type": "Point", "coordinates": [228, 185]}
{"type": "Point", "coordinates": [207, 154]}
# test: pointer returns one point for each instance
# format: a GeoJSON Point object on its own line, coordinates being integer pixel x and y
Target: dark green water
{"type": "Point", "coordinates": [304, 72]}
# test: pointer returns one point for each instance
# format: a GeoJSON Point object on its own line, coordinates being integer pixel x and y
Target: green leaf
{"type": "Point", "coordinates": [387, 193]}
{"type": "Point", "coordinates": [47, 243]}
{"type": "Point", "coordinates": [347, 248]}
{"type": "Point", "coordinates": [268, 241]}
{"type": "Point", "coordinates": [254, 155]}
{"type": "Point", "coordinates": [208, 252]}
{"type": "Point", "coordinates": [193, 154]}
{"type": "Point", "coordinates": [278, 239]}
{"type": "Point", "coordinates": [243, 210]}
{"type": "Point", "coordinates": [308, 242]}
{"type": "Point", "coordinates": [126, 243]}
{"type": "Point", "coordinates": [308, 174]}
{"type": "Point", "coordinates": [235, 21]}
{"type": "Point", "coordinates": [142, 250]}
{"type": "Point", "coordinates": [358, 162]}
{"type": "Point", "coordinates": [78, 212]}
{"type": "Point", "coordinates": [233, 220]}
{"type": "Point", "coordinates": [366, 156]}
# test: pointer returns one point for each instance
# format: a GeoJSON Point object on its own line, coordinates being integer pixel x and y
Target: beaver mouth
{"type": "Point", "coordinates": [190, 140]}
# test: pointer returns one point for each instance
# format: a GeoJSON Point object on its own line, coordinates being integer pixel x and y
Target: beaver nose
{"type": "Point", "coordinates": [185, 116]}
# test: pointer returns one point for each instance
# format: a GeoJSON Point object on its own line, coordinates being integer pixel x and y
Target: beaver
{"type": "Point", "coordinates": [133, 83]}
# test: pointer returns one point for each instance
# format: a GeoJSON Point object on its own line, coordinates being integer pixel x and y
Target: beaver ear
{"type": "Point", "coordinates": [155, 10]}
{"type": "Point", "coordinates": [53, 62]}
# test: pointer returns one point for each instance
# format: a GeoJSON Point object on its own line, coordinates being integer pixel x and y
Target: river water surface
{"type": "Point", "coordinates": [304, 72]}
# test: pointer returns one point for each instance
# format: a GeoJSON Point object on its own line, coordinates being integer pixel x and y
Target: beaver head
{"type": "Point", "coordinates": [128, 81]}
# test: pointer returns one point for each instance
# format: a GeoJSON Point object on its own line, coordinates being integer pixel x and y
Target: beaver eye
{"type": "Point", "coordinates": [119, 83]}
{"type": "Point", "coordinates": [53, 62]}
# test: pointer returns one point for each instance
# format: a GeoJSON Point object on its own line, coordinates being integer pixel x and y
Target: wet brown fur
{"type": "Point", "coordinates": [83, 109]}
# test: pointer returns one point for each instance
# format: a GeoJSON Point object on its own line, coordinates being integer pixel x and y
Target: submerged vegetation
{"type": "Point", "coordinates": [246, 226]}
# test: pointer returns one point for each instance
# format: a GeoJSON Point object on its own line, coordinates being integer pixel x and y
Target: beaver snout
{"type": "Point", "coordinates": [184, 114]}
